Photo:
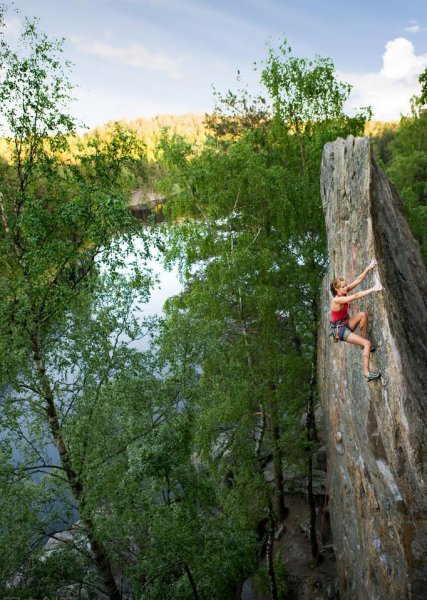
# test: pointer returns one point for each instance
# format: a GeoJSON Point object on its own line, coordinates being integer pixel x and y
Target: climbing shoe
{"type": "Point", "coordinates": [372, 376]}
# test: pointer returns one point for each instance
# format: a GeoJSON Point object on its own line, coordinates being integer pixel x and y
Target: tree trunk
{"type": "Point", "coordinates": [269, 556]}
{"type": "Point", "coordinates": [192, 582]}
{"type": "Point", "coordinates": [312, 505]}
{"type": "Point", "coordinates": [279, 491]}
{"type": "Point", "coordinates": [101, 559]}
{"type": "Point", "coordinates": [261, 433]}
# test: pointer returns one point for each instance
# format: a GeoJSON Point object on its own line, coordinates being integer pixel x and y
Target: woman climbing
{"type": "Point", "coordinates": [342, 326]}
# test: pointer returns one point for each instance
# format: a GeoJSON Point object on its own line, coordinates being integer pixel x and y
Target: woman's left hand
{"type": "Point", "coordinates": [372, 264]}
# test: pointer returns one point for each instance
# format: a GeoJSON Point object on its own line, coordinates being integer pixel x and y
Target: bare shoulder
{"type": "Point", "coordinates": [337, 302]}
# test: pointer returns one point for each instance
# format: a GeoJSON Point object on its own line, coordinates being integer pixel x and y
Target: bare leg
{"type": "Point", "coordinates": [360, 319]}
{"type": "Point", "coordinates": [358, 340]}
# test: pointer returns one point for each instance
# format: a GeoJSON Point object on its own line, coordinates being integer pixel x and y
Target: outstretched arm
{"type": "Point", "coordinates": [362, 276]}
{"type": "Point", "coordinates": [345, 299]}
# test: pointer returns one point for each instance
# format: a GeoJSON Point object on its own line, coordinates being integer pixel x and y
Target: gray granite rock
{"type": "Point", "coordinates": [376, 432]}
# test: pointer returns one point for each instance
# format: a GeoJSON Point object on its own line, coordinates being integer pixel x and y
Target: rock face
{"type": "Point", "coordinates": [143, 204]}
{"type": "Point", "coordinates": [377, 443]}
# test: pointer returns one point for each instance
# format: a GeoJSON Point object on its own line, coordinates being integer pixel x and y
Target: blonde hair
{"type": "Point", "coordinates": [334, 285]}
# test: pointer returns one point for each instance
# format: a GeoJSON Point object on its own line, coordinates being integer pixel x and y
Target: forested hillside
{"type": "Point", "coordinates": [190, 126]}
{"type": "Point", "coordinates": [166, 472]}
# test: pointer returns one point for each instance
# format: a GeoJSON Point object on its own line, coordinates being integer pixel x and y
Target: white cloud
{"type": "Point", "coordinates": [413, 28]}
{"type": "Point", "coordinates": [389, 90]}
{"type": "Point", "coordinates": [400, 61]}
{"type": "Point", "coordinates": [135, 55]}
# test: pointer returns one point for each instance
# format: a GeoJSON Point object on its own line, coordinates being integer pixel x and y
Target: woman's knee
{"type": "Point", "coordinates": [364, 315]}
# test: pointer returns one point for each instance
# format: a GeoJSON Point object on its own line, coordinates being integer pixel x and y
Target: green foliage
{"type": "Point", "coordinates": [303, 91]}
{"type": "Point", "coordinates": [66, 311]}
{"type": "Point", "coordinates": [35, 91]}
{"type": "Point", "coordinates": [408, 170]}
{"type": "Point", "coordinates": [401, 149]}
{"type": "Point", "coordinates": [236, 113]}
{"type": "Point", "coordinates": [31, 515]}
{"type": "Point", "coordinates": [193, 543]}
{"type": "Point", "coordinates": [17, 527]}
{"type": "Point", "coordinates": [422, 99]}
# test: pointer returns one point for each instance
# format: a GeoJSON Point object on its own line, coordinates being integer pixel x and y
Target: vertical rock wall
{"type": "Point", "coordinates": [377, 443]}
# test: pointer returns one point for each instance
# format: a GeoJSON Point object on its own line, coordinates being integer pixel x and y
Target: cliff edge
{"type": "Point", "coordinates": [377, 436]}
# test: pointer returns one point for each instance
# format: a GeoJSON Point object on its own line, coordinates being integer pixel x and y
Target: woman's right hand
{"type": "Point", "coordinates": [377, 287]}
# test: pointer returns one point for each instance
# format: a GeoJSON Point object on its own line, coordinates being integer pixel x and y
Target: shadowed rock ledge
{"type": "Point", "coordinates": [377, 443]}
{"type": "Point", "coordinates": [145, 204]}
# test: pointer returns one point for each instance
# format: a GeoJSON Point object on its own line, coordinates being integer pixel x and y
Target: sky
{"type": "Point", "coordinates": [141, 58]}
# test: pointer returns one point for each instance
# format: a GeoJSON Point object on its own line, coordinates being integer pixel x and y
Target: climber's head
{"type": "Point", "coordinates": [339, 287]}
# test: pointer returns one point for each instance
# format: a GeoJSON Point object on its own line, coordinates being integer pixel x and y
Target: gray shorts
{"type": "Point", "coordinates": [339, 331]}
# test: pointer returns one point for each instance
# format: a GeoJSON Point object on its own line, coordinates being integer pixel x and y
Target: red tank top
{"type": "Point", "coordinates": [337, 315]}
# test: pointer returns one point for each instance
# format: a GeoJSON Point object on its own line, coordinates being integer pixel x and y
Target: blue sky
{"type": "Point", "coordinates": [137, 58]}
